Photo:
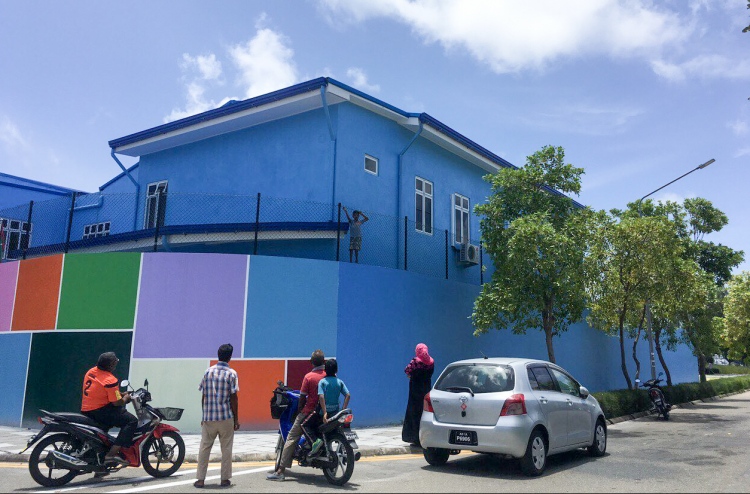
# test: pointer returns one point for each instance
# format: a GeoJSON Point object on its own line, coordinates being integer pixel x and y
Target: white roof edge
{"type": "Point", "coordinates": [477, 158]}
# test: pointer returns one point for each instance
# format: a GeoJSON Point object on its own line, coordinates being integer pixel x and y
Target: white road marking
{"type": "Point", "coordinates": [190, 481]}
{"type": "Point", "coordinates": [112, 483]}
{"type": "Point", "coordinates": [5, 445]}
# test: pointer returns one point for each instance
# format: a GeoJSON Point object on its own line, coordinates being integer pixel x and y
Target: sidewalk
{"type": "Point", "coordinates": [248, 446]}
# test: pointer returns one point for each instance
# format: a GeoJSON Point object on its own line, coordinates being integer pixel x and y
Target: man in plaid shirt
{"type": "Point", "coordinates": [220, 415]}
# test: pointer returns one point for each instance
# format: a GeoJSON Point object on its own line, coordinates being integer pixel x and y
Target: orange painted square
{"type": "Point", "coordinates": [37, 294]}
{"type": "Point", "coordinates": [257, 382]}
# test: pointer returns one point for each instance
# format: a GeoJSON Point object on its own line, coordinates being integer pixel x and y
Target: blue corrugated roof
{"type": "Point", "coordinates": [28, 184]}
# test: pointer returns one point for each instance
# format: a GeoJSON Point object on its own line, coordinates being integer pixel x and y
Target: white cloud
{"type": "Point", "coordinates": [742, 152]}
{"type": "Point", "coordinates": [10, 136]}
{"type": "Point", "coordinates": [671, 196]}
{"type": "Point", "coordinates": [207, 65]}
{"type": "Point", "coordinates": [517, 36]}
{"type": "Point", "coordinates": [739, 127]}
{"type": "Point", "coordinates": [265, 63]}
{"type": "Point", "coordinates": [704, 67]}
{"type": "Point", "coordinates": [583, 118]}
{"type": "Point", "coordinates": [359, 80]}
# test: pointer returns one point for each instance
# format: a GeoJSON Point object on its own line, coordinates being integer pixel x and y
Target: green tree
{"type": "Point", "coordinates": [629, 258]}
{"type": "Point", "coordinates": [534, 235]}
{"type": "Point", "coordinates": [735, 324]}
{"type": "Point", "coordinates": [747, 29]}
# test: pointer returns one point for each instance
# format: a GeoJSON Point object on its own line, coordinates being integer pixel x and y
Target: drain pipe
{"type": "Point", "coordinates": [137, 189]}
{"type": "Point", "coordinates": [334, 138]}
{"type": "Point", "coordinates": [398, 185]}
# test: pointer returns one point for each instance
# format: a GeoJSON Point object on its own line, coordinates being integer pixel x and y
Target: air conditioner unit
{"type": "Point", "coordinates": [469, 254]}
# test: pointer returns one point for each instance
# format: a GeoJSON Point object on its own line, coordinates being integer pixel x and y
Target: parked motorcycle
{"type": "Point", "coordinates": [658, 401]}
{"type": "Point", "coordinates": [337, 456]}
{"type": "Point", "coordinates": [72, 444]}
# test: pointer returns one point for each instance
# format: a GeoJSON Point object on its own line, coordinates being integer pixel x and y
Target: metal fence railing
{"type": "Point", "coordinates": [243, 224]}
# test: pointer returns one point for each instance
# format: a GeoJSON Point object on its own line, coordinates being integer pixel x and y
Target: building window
{"type": "Point", "coordinates": [96, 230]}
{"type": "Point", "coordinates": [14, 235]}
{"type": "Point", "coordinates": [371, 164]}
{"type": "Point", "coordinates": [461, 218]}
{"type": "Point", "coordinates": [156, 204]}
{"type": "Point", "coordinates": [423, 201]}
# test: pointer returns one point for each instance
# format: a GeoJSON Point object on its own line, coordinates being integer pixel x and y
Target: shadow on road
{"type": "Point", "coordinates": [494, 466]}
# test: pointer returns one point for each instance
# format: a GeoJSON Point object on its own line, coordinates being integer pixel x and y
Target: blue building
{"type": "Point", "coordinates": [276, 175]}
{"type": "Point", "coordinates": [16, 193]}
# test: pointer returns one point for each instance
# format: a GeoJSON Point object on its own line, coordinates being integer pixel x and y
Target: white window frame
{"type": "Point", "coordinates": [96, 230]}
{"type": "Point", "coordinates": [377, 165]}
{"type": "Point", "coordinates": [422, 196]}
{"type": "Point", "coordinates": [465, 212]}
{"type": "Point", "coordinates": [24, 230]}
{"type": "Point", "coordinates": [162, 185]}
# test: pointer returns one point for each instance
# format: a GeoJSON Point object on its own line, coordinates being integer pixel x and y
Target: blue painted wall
{"type": "Point", "coordinates": [14, 354]}
{"type": "Point", "coordinates": [292, 307]}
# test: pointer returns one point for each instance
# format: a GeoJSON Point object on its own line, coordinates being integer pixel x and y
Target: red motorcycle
{"type": "Point", "coordinates": [72, 444]}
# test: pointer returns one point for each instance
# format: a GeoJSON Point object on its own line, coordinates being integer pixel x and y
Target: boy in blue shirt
{"type": "Point", "coordinates": [329, 390]}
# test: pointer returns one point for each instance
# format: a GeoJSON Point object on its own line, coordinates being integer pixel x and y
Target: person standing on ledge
{"type": "Point", "coordinates": [355, 232]}
{"type": "Point", "coordinates": [219, 386]}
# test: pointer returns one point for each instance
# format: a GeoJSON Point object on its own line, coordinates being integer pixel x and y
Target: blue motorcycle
{"type": "Point", "coordinates": [337, 456]}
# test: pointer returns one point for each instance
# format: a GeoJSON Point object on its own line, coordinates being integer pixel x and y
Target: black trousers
{"type": "Point", "coordinates": [310, 426]}
{"type": "Point", "coordinates": [114, 416]}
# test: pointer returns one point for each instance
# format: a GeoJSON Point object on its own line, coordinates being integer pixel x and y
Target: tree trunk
{"type": "Point", "coordinates": [702, 367]}
{"type": "Point", "coordinates": [550, 349]}
{"type": "Point", "coordinates": [622, 353]}
{"type": "Point", "coordinates": [657, 336]}
{"type": "Point", "coordinates": [635, 354]}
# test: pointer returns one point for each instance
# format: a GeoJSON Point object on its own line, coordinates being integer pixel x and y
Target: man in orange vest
{"type": "Point", "coordinates": [103, 403]}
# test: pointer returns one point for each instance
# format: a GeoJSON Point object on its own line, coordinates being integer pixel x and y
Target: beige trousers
{"type": "Point", "coordinates": [291, 440]}
{"type": "Point", "coordinates": [209, 430]}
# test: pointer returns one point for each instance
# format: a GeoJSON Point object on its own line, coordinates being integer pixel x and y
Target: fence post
{"type": "Point", "coordinates": [446, 254]}
{"type": "Point", "coordinates": [70, 221]}
{"type": "Point", "coordinates": [481, 264]}
{"type": "Point", "coordinates": [338, 235]}
{"type": "Point", "coordinates": [406, 243]}
{"type": "Point", "coordinates": [158, 214]}
{"type": "Point", "coordinates": [257, 225]}
{"type": "Point", "coordinates": [28, 232]}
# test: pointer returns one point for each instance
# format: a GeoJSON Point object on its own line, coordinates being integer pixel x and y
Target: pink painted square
{"type": "Point", "coordinates": [8, 280]}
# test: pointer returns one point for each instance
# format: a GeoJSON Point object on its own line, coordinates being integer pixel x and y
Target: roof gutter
{"type": "Point", "coordinates": [137, 188]}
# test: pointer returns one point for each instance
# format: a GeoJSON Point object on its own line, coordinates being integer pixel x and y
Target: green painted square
{"type": "Point", "coordinates": [58, 362]}
{"type": "Point", "coordinates": [99, 291]}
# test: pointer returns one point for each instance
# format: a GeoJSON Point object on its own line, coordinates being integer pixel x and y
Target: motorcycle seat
{"type": "Point", "coordinates": [74, 418]}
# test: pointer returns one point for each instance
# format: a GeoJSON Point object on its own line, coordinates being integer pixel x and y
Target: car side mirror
{"type": "Point", "coordinates": [584, 392]}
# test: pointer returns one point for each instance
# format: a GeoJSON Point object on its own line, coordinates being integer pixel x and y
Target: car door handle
{"type": "Point", "coordinates": [570, 402]}
{"type": "Point", "coordinates": [543, 399]}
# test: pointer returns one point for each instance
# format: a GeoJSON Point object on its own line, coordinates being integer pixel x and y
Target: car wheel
{"type": "Point", "coordinates": [534, 461]}
{"type": "Point", "coordinates": [599, 446]}
{"type": "Point", "coordinates": [436, 457]}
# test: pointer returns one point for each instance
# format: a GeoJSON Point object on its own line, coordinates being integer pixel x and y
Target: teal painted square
{"type": "Point", "coordinates": [292, 307]}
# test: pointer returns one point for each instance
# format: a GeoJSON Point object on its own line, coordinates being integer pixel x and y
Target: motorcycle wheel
{"type": "Point", "coordinates": [342, 453]}
{"type": "Point", "coordinates": [279, 450]}
{"type": "Point", "coordinates": [59, 442]}
{"type": "Point", "coordinates": [169, 452]}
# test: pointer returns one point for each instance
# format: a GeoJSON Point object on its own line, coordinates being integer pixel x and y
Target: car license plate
{"type": "Point", "coordinates": [351, 435]}
{"type": "Point", "coordinates": [468, 438]}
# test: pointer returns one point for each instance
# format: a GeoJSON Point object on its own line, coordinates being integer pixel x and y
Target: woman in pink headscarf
{"type": "Point", "coordinates": [419, 371]}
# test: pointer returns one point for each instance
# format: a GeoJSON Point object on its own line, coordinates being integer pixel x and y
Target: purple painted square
{"type": "Point", "coordinates": [8, 280]}
{"type": "Point", "coordinates": [190, 304]}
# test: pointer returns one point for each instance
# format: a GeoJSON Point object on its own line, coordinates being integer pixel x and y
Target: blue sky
{"type": "Point", "coordinates": [637, 92]}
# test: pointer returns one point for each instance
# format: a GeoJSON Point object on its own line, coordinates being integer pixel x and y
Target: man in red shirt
{"type": "Point", "coordinates": [308, 400]}
{"type": "Point", "coordinates": [103, 403]}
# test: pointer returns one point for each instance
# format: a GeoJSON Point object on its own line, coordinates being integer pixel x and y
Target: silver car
{"type": "Point", "coordinates": [526, 409]}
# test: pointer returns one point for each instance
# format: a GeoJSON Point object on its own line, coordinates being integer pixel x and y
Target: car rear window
{"type": "Point", "coordinates": [479, 378]}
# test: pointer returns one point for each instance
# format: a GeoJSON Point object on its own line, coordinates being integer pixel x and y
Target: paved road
{"type": "Point", "coordinates": [703, 448]}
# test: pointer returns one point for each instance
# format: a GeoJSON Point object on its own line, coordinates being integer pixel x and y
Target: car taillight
{"type": "Point", "coordinates": [515, 405]}
{"type": "Point", "coordinates": [427, 405]}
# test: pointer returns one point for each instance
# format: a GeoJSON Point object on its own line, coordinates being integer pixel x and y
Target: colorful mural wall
{"type": "Point", "coordinates": [165, 315]}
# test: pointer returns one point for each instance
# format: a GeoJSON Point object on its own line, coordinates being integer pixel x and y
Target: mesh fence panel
{"type": "Point", "coordinates": [233, 224]}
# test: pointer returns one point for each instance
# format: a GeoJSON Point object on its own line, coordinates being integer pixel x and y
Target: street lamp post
{"type": "Point", "coordinates": [649, 331]}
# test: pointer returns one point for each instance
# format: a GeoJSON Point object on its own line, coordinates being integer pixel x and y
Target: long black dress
{"type": "Point", "coordinates": [419, 385]}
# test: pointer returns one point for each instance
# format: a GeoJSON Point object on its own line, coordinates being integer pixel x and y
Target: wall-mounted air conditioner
{"type": "Point", "coordinates": [469, 254]}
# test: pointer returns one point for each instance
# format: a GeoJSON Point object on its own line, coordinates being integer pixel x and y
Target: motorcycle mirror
{"type": "Point", "coordinates": [145, 383]}
{"type": "Point", "coordinates": [125, 383]}
{"type": "Point", "coordinates": [660, 374]}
